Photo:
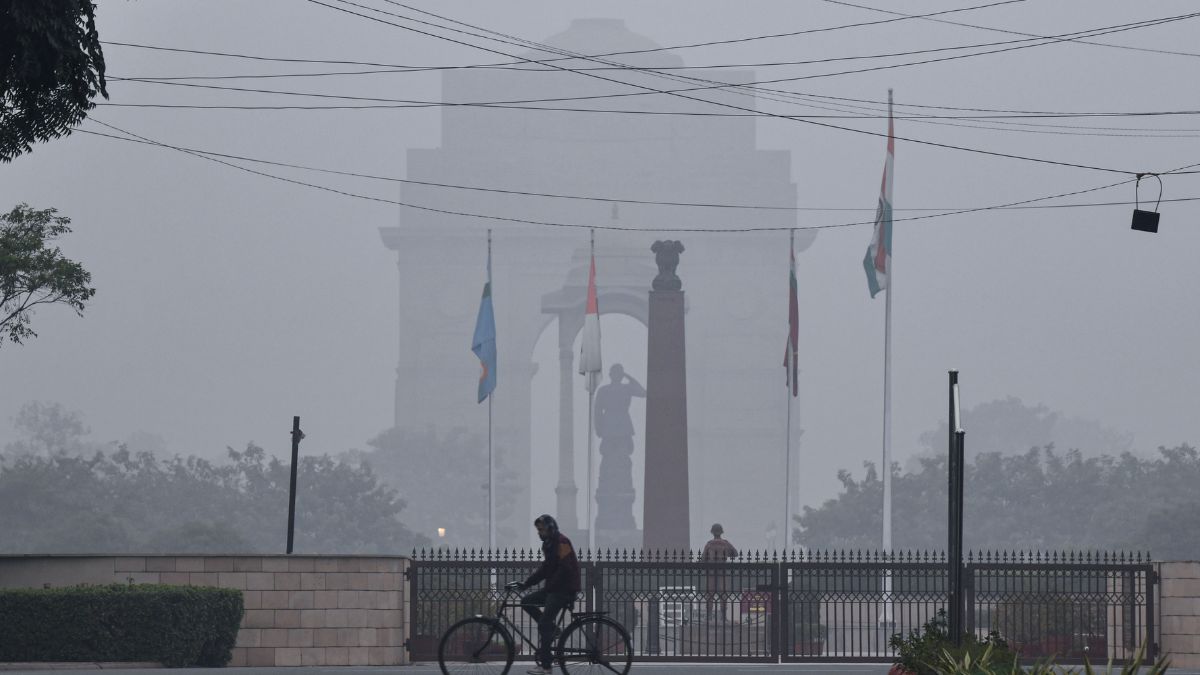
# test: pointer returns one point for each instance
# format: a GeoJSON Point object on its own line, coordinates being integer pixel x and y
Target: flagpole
{"type": "Point", "coordinates": [887, 413]}
{"type": "Point", "coordinates": [787, 472]}
{"type": "Point", "coordinates": [591, 383]}
{"type": "Point", "coordinates": [491, 461]}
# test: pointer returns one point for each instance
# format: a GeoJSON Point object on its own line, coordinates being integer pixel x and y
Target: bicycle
{"type": "Point", "coordinates": [590, 643]}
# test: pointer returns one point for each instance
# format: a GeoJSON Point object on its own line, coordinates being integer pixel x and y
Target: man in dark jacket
{"type": "Point", "coordinates": [560, 571]}
{"type": "Point", "coordinates": [718, 550]}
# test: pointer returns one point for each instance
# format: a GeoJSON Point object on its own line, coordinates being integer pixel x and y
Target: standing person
{"type": "Point", "coordinates": [717, 550]}
{"type": "Point", "coordinates": [560, 571]}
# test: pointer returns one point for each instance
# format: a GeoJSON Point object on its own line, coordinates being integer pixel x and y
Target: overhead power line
{"type": "Point", "coordinates": [526, 62]}
{"type": "Point", "coordinates": [520, 103]}
{"type": "Point", "coordinates": [660, 69]}
{"type": "Point", "coordinates": [927, 17]}
{"type": "Point", "coordinates": [727, 105]}
{"type": "Point", "coordinates": [792, 97]}
{"type": "Point", "coordinates": [709, 84]}
{"type": "Point", "coordinates": [795, 97]}
{"type": "Point", "coordinates": [1001, 113]}
{"type": "Point", "coordinates": [692, 113]}
{"type": "Point", "coordinates": [131, 137]}
{"type": "Point", "coordinates": [1056, 129]}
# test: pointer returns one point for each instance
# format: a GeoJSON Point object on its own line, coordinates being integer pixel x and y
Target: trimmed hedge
{"type": "Point", "coordinates": [173, 625]}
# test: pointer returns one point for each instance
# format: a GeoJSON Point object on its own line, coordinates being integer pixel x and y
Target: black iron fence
{"type": "Point", "coordinates": [814, 606]}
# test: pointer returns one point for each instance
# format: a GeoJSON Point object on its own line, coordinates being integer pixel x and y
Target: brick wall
{"type": "Point", "coordinates": [1179, 612]}
{"type": "Point", "coordinates": [300, 610]}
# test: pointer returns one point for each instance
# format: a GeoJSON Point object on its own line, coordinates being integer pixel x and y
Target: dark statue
{"type": "Point", "coordinates": [666, 254]}
{"type": "Point", "coordinates": [614, 492]}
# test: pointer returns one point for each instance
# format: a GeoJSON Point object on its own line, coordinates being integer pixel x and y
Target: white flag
{"type": "Point", "coordinates": [589, 352]}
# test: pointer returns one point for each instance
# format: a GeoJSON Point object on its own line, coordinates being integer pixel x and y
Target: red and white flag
{"type": "Point", "coordinates": [590, 364]}
{"type": "Point", "coordinates": [878, 261]}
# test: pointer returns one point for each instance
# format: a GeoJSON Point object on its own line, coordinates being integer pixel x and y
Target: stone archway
{"type": "Point", "coordinates": [737, 292]}
{"type": "Point", "coordinates": [623, 278]}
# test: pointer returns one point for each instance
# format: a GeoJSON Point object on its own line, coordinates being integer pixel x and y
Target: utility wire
{"type": "Point", "coordinates": [1010, 32]}
{"type": "Point", "coordinates": [682, 113]}
{"type": "Point", "coordinates": [519, 104]}
{"type": "Point", "coordinates": [1151, 132]}
{"type": "Point", "coordinates": [539, 46]}
{"type": "Point", "coordinates": [795, 98]}
{"type": "Point", "coordinates": [760, 64]}
{"type": "Point", "coordinates": [618, 67]}
{"type": "Point", "coordinates": [646, 88]}
{"type": "Point", "coordinates": [1011, 205]}
{"type": "Point", "coordinates": [474, 188]}
{"type": "Point", "coordinates": [708, 84]}
{"type": "Point", "coordinates": [1098, 131]}
{"type": "Point", "coordinates": [535, 62]}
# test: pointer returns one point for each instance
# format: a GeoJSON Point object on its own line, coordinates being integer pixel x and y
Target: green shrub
{"type": "Point", "coordinates": [991, 662]}
{"type": "Point", "coordinates": [931, 645]}
{"type": "Point", "coordinates": [174, 625]}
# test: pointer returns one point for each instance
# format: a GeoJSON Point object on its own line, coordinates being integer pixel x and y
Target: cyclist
{"type": "Point", "coordinates": [560, 571]}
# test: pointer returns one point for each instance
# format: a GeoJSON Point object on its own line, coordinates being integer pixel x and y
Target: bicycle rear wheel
{"type": "Point", "coordinates": [476, 646]}
{"type": "Point", "coordinates": [595, 646]}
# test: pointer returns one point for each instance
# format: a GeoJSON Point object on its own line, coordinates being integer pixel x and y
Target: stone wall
{"type": "Point", "coordinates": [300, 610]}
{"type": "Point", "coordinates": [1179, 612]}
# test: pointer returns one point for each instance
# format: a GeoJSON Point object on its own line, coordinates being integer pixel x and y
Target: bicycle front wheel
{"type": "Point", "coordinates": [476, 646]}
{"type": "Point", "coordinates": [595, 646]}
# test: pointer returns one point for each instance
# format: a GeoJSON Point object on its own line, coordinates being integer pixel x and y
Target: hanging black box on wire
{"type": "Point", "coordinates": [1146, 221]}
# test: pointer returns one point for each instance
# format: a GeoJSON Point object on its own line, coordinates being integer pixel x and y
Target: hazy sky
{"type": "Point", "coordinates": [228, 302]}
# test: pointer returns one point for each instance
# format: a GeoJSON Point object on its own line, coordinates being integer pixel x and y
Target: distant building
{"type": "Point", "coordinates": [736, 285]}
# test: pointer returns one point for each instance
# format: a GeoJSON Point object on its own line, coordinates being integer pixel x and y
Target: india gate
{"type": "Point", "coordinates": [735, 285]}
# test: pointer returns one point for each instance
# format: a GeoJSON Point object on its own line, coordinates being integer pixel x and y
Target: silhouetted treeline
{"type": "Point", "coordinates": [1041, 499]}
{"type": "Point", "coordinates": [124, 502]}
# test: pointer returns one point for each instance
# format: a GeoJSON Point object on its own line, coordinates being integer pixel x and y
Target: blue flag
{"type": "Point", "coordinates": [484, 342]}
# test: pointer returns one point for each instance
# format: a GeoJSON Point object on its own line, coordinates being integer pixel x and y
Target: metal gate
{"type": "Point", "coordinates": [846, 606]}
{"type": "Point", "coordinates": [815, 606]}
{"type": "Point", "coordinates": [682, 610]}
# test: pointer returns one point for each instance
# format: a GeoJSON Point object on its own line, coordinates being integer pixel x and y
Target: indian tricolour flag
{"type": "Point", "coordinates": [791, 352]}
{"type": "Point", "coordinates": [878, 261]}
{"type": "Point", "coordinates": [590, 364]}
